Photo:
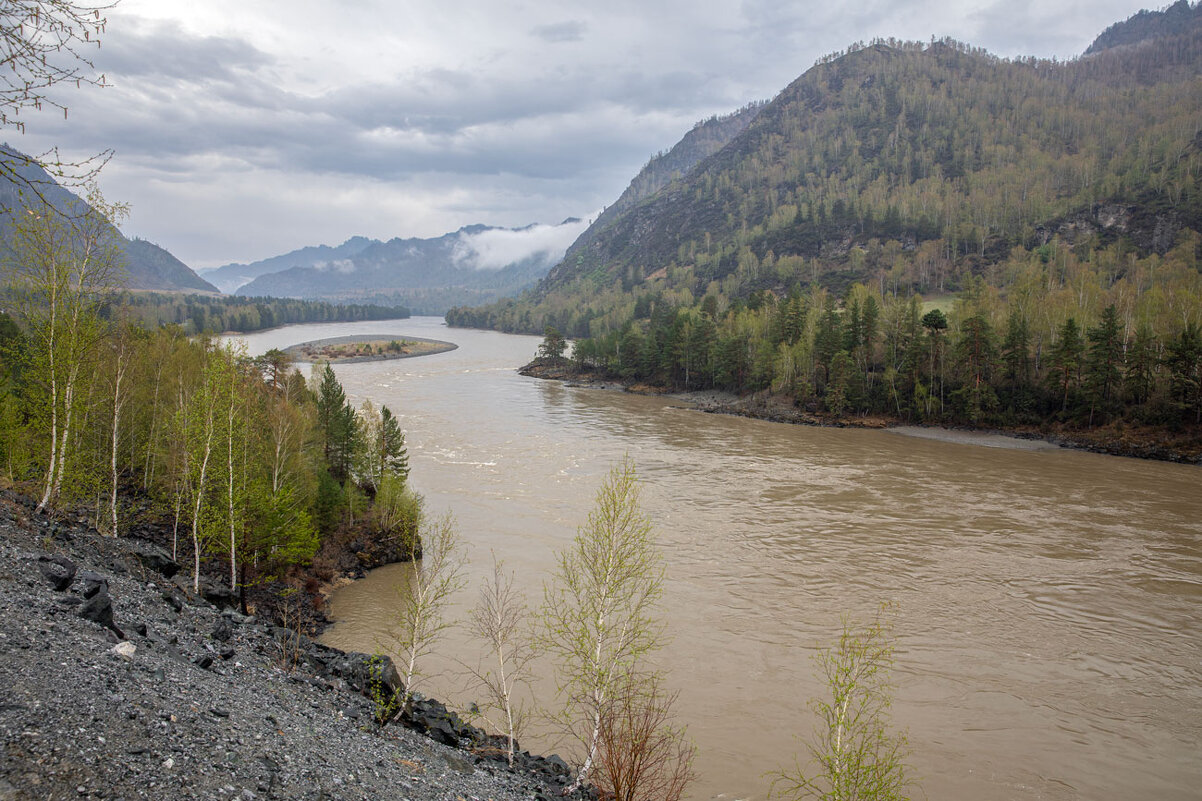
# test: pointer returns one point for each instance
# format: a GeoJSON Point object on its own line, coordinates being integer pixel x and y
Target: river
{"type": "Point", "coordinates": [1049, 601]}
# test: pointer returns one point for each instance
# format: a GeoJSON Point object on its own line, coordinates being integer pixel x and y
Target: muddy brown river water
{"type": "Point", "coordinates": [1049, 623]}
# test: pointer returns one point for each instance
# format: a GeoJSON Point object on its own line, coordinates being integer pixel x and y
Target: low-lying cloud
{"type": "Point", "coordinates": [498, 248]}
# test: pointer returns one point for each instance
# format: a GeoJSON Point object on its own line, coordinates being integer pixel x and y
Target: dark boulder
{"type": "Point", "coordinates": [91, 583]}
{"type": "Point", "coordinates": [99, 609]}
{"type": "Point", "coordinates": [174, 600]}
{"type": "Point", "coordinates": [433, 719]}
{"type": "Point", "coordinates": [219, 595]}
{"type": "Point", "coordinates": [152, 557]}
{"type": "Point", "coordinates": [223, 630]}
{"type": "Point", "coordinates": [59, 571]}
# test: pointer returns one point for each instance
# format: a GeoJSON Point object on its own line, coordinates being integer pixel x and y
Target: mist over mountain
{"type": "Point", "coordinates": [146, 265]}
{"type": "Point", "coordinates": [475, 264]}
{"type": "Point", "coordinates": [229, 277]}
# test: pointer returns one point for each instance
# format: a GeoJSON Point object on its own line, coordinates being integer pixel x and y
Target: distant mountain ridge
{"type": "Point", "coordinates": [147, 265]}
{"type": "Point", "coordinates": [477, 263]}
{"type": "Point", "coordinates": [229, 277]}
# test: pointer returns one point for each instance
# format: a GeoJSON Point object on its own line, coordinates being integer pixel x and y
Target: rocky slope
{"type": "Point", "coordinates": [118, 683]}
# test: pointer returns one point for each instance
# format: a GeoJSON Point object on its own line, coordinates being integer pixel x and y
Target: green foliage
{"type": "Point", "coordinates": [599, 611]}
{"type": "Point", "coordinates": [397, 513]}
{"type": "Point", "coordinates": [553, 345]}
{"type": "Point", "coordinates": [379, 447]}
{"type": "Point", "coordinates": [329, 503]}
{"type": "Point", "coordinates": [386, 702]}
{"type": "Point", "coordinates": [854, 753]}
{"type": "Point", "coordinates": [337, 423]}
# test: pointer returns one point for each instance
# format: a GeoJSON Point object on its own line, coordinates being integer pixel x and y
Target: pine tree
{"type": "Point", "coordinates": [1066, 361]}
{"type": "Point", "coordinates": [1104, 364]}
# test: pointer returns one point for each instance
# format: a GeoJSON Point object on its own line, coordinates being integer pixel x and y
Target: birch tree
{"type": "Point", "coordinates": [60, 267]}
{"type": "Point", "coordinates": [854, 754]}
{"type": "Point", "coordinates": [422, 603]}
{"type": "Point", "coordinates": [381, 450]}
{"type": "Point", "coordinates": [599, 612]}
{"type": "Point", "coordinates": [499, 619]}
{"type": "Point", "coordinates": [121, 353]}
{"type": "Point", "coordinates": [202, 431]}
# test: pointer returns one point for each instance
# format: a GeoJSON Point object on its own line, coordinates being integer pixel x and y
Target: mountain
{"type": "Point", "coordinates": [476, 264]}
{"type": "Point", "coordinates": [923, 165]}
{"type": "Point", "coordinates": [706, 138]}
{"type": "Point", "coordinates": [229, 277]}
{"type": "Point", "coordinates": [1146, 25]}
{"type": "Point", "coordinates": [147, 266]}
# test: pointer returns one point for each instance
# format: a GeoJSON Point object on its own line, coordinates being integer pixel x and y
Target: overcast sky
{"type": "Point", "coordinates": [242, 130]}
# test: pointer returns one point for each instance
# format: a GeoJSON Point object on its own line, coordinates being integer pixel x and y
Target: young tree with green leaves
{"type": "Point", "coordinates": [553, 346]}
{"type": "Point", "coordinates": [381, 450]}
{"type": "Point", "coordinates": [854, 753]}
{"type": "Point", "coordinates": [599, 611]}
{"type": "Point", "coordinates": [60, 268]}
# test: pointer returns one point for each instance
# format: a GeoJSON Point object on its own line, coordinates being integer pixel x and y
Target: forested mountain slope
{"type": "Point", "coordinates": [1147, 25]}
{"type": "Point", "coordinates": [706, 138]}
{"type": "Point", "coordinates": [920, 163]}
{"type": "Point", "coordinates": [1059, 201]}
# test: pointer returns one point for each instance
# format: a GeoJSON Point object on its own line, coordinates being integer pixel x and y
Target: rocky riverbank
{"type": "Point", "coordinates": [120, 683]}
{"type": "Point", "coordinates": [1116, 440]}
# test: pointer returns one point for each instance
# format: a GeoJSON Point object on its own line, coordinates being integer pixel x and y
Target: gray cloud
{"type": "Point", "coordinates": [557, 32]}
{"type": "Point", "coordinates": [239, 136]}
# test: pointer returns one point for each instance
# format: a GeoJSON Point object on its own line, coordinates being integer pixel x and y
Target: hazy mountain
{"type": "Point", "coordinates": [926, 161]}
{"type": "Point", "coordinates": [229, 277]}
{"type": "Point", "coordinates": [475, 264]}
{"type": "Point", "coordinates": [147, 265]}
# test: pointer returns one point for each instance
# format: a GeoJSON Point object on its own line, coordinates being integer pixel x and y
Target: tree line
{"type": "Point", "coordinates": [213, 314]}
{"type": "Point", "coordinates": [1062, 340]}
{"type": "Point", "coordinates": [244, 459]}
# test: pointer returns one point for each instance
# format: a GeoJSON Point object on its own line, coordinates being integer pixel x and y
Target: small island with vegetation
{"type": "Point", "coordinates": [366, 348]}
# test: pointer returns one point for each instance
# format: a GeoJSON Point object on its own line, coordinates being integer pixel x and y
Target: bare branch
{"type": "Point", "coordinates": [499, 619]}
{"type": "Point", "coordinates": [45, 43]}
{"type": "Point", "coordinates": [423, 599]}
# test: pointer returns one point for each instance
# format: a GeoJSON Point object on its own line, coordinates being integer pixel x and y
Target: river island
{"type": "Point", "coordinates": [366, 348]}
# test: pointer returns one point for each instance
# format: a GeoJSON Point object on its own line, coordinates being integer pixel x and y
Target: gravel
{"type": "Point", "coordinates": [166, 696]}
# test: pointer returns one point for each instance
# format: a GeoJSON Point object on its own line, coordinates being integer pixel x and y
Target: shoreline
{"type": "Point", "coordinates": [1127, 442]}
{"type": "Point", "coordinates": [106, 643]}
{"type": "Point", "coordinates": [441, 346]}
